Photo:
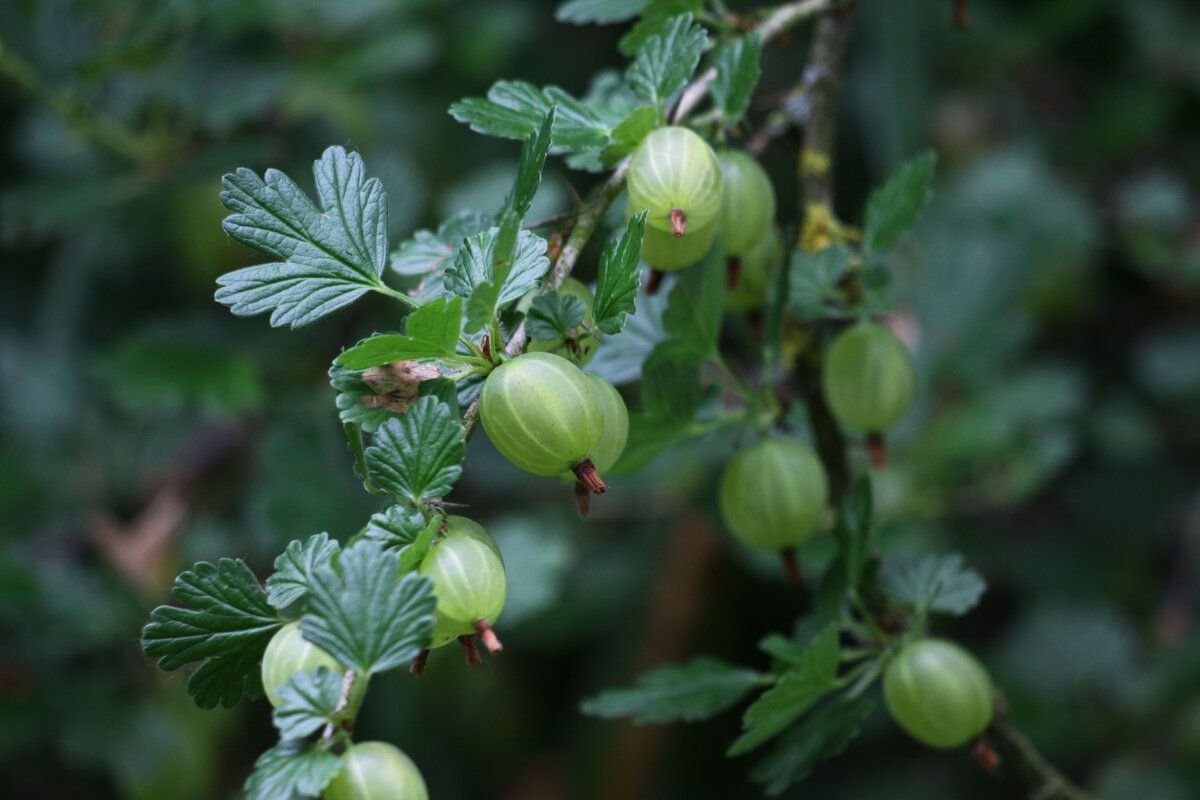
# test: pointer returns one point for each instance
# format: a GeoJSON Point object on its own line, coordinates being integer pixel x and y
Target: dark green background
{"type": "Point", "coordinates": [1054, 282]}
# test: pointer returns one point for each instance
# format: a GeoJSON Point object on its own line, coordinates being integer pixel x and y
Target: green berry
{"type": "Point", "coordinates": [747, 202]}
{"type": "Point", "coordinates": [757, 268]}
{"type": "Point", "coordinates": [541, 413]}
{"type": "Point", "coordinates": [869, 378]}
{"type": "Point", "coordinates": [773, 494]}
{"type": "Point", "coordinates": [468, 577]}
{"type": "Point", "coordinates": [616, 426]}
{"type": "Point", "coordinates": [287, 653]}
{"type": "Point", "coordinates": [667, 253]}
{"type": "Point", "coordinates": [675, 175]}
{"type": "Point", "coordinates": [938, 693]}
{"type": "Point", "coordinates": [377, 771]}
{"type": "Point", "coordinates": [585, 347]}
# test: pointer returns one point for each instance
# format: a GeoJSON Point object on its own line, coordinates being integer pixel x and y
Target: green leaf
{"type": "Point", "coordinates": [939, 583]}
{"type": "Point", "coordinates": [291, 770]}
{"type": "Point", "coordinates": [699, 689]}
{"type": "Point", "coordinates": [294, 567]}
{"type": "Point", "coordinates": [405, 529]}
{"type": "Point", "coordinates": [671, 387]}
{"type": "Point", "coordinates": [431, 333]}
{"type": "Point", "coordinates": [428, 252]}
{"type": "Point", "coordinates": [367, 616]}
{"type": "Point", "coordinates": [554, 316]}
{"type": "Point", "coordinates": [894, 206]}
{"type": "Point", "coordinates": [229, 621]}
{"type": "Point", "coordinates": [696, 304]}
{"type": "Point", "coordinates": [516, 109]}
{"type": "Point", "coordinates": [738, 70]}
{"type": "Point", "coordinates": [418, 454]}
{"type": "Point", "coordinates": [474, 266]}
{"type": "Point", "coordinates": [600, 12]}
{"type": "Point", "coordinates": [655, 18]}
{"type": "Point", "coordinates": [854, 528]}
{"type": "Point", "coordinates": [796, 692]}
{"type": "Point", "coordinates": [814, 279]}
{"type": "Point", "coordinates": [619, 278]}
{"type": "Point", "coordinates": [825, 733]}
{"type": "Point", "coordinates": [629, 134]}
{"type": "Point", "coordinates": [529, 168]}
{"type": "Point", "coordinates": [329, 255]}
{"type": "Point", "coordinates": [307, 702]}
{"type": "Point", "coordinates": [667, 60]}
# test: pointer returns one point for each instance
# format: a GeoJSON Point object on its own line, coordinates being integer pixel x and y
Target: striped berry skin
{"type": "Point", "coordinates": [616, 426]}
{"type": "Point", "coordinates": [675, 176]}
{"type": "Point", "coordinates": [773, 494]}
{"type": "Point", "coordinates": [287, 653]}
{"type": "Point", "coordinates": [666, 253]}
{"type": "Point", "coordinates": [377, 771]}
{"type": "Point", "coordinates": [541, 413]}
{"type": "Point", "coordinates": [468, 577]}
{"type": "Point", "coordinates": [747, 202]}
{"type": "Point", "coordinates": [868, 378]}
{"type": "Point", "coordinates": [938, 693]}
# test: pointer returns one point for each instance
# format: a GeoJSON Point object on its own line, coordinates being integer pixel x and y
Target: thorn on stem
{"type": "Point", "coordinates": [678, 222]}
{"type": "Point", "coordinates": [586, 472]}
{"type": "Point", "coordinates": [488, 637]}
{"type": "Point", "coordinates": [653, 281]}
{"type": "Point", "coordinates": [791, 567]}
{"type": "Point", "coordinates": [877, 450]}
{"type": "Point", "coordinates": [583, 500]}
{"type": "Point", "coordinates": [417, 667]}
{"type": "Point", "coordinates": [470, 651]}
{"type": "Point", "coordinates": [733, 272]}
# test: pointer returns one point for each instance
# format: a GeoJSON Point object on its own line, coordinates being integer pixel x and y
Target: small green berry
{"type": "Point", "coordinates": [747, 202]}
{"type": "Point", "coordinates": [773, 494]}
{"type": "Point", "coordinates": [869, 379]}
{"type": "Point", "coordinates": [675, 176]}
{"type": "Point", "coordinates": [287, 653]}
{"type": "Point", "coordinates": [938, 693]}
{"type": "Point", "coordinates": [468, 577]}
{"type": "Point", "coordinates": [377, 771]}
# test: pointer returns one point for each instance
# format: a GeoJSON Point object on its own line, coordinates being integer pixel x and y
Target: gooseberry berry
{"type": "Point", "coordinates": [377, 771]}
{"type": "Point", "coordinates": [582, 349]}
{"type": "Point", "coordinates": [287, 653]}
{"type": "Point", "coordinates": [747, 202]}
{"type": "Point", "coordinates": [869, 378]}
{"type": "Point", "coordinates": [616, 426]}
{"type": "Point", "coordinates": [773, 494]}
{"type": "Point", "coordinates": [675, 176]}
{"type": "Point", "coordinates": [542, 414]}
{"type": "Point", "coordinates": [666, 253]}
{"type": "Point", "coordinates": [754, 273]}
{"type": "Point", "coordinates": [469, 582]}
{"type": "Point", "coordinates": [938, 693]}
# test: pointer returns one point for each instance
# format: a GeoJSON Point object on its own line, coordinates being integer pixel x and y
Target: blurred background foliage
{"type": "Point", "coordinates": [1051, 294]}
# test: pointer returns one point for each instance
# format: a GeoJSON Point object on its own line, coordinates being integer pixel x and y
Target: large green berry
{"type": "Point", "coordinates": [287, 653]}
{"type": "Point", "coordinates": [754, 274]}
{"type": "Point", "coordinates": [541, 413]}
{"type": "Point", "coordinates": [468, 577]}
{"type": "Point", "coordinates": [377, 771]}
{"type": "Point", "coordinates": [938, 693]}
{"type": "Point", "coordinates": [616, 426]}
{"type": "Point", "coordinates": [675, 175]}
{"type": "Point", "coordinates": [747, 202]}
{"type": "Point", "coordinates": [773, 494]}
{"type": "Point", "coordinates": [667, 253]}
{"type": "Point", "coordinates": [869, 378]}
{"type": "Point", "coordinates": [585, 346]}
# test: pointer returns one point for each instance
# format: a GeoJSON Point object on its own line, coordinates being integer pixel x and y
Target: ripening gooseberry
{"type": "Point", "coordinates": [938, 693]}
{"type": "Point", "coordinates": [377, 771]}
{"type": "Point", "coordinates": [869, 378]}
{"type": "Point", "coordinates": [667, 253]}
{"type": "Point", "coordinates": [747, 202]}
{"type": "Point", "coordinates": [287, 653]}
{"type": "Point", "coordinates": [675, 176]}
{"type": "Point", "coordinates": [616, 426]}
{"type": "Point", "coordinates": [469, 581]}
{"type": "Point", "coordinates": [773, 494]}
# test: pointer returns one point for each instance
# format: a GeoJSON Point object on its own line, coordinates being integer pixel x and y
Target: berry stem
{"type": "Point", "coordinates": [470, 651]}
{"type": "Point", "coordinates": [877, 450]}
{"type": "Point", "coordinates": [488, 637]}
{"type": "Point", "coordinates": [733, 272]}
{"type": "Point", "coordinates": [653, 281]}
{"type": "Point", "coordinates": [791, 567]}
{"type": "Point", "coordinates": [583, 500]}
{"type": "Point", "coordinates": [678, 222]}
{"type": "Point", "coordinates": [417, 667]}
{"type": "Point", "coordinates": [586, 472]}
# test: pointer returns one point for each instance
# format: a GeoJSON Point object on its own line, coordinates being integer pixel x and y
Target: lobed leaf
{"type": "Point", "coordinates": [697, 690]}
{"type": "Point", "coordinates": [405, 529]}
{"type": "Point", "coordinates": [619, 278]}
{"type": "Point", "coordinates": [826, 733]}
{"type": "Point", "coordinates": [600, 12]}
{"type": "Point", "coordinates": [431, 332]}
{"type": "Point", "coordinates": [307, 702]}
{"type": "Point", "coordinates": [294, 567]}
{"type": "Point", "coordinates": [667, 59]}
{"type": "Point", "coordinates": [418, 454]}
{"type": "Point", "coordinates": [554, 316]}
{"type": "Point", "coordinates": [516, 109]}
{"type": "Point", "coordinates": [928, 583]}
{"type": "Point", "coordinates": [738, 69]}
{"type": "Point", "coordinates": [428, 252]}
{"type": "Point", "coordinates": [893, 207]}
{"type": "Point", "coordinates": [291, 770]}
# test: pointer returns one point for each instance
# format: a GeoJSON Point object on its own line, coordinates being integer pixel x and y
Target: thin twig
{"type": "Point", "coordinates": [1051, 782]}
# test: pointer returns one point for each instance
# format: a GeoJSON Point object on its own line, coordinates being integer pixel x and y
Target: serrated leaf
{"type": "Point", "coordinates": [291, 770]}
{"type": "Point", "coordinates": [893, 207]}
{"type": "Point", "coordinates": [418, 454]}
{"type": "Point", "coordinates": [655, 17]}
{"type": "Point", "coordinates": [330, 255]}
{"type": "Point", "coordinates": [554, 316]}
{"type": "Point", "coordinates": [826, 733]}
{"type": "Point", "coordinates": [599, 12]}
{"type": "Point", "coordinates": [629, 134]}
{"type": "Point", "coordinates": [529, 168]}
{"type": "Point", "coordinates": [294, 566]}
{"type": "Point", "coordinates": [696, 305]}
{"type": "Point", "coordinates": [699, 689]}
{"type": "Point", "coordinates": [229, 618]}
{"type": "Point", "coordinates": [813, 279]}
{"type": "Point", "coordinates": [307, 702]}
{"type": "Point", "coordinates": [667, 60]}
{"type": "Point", "coordinates": [619, 278]}
{"type": "Point", "coordinates": [738, 70]}
{"type": "Point", "coordinates": [431, 332]}
{"type": "Point", "coordinates": [363, 406]}
{"type": "Point", "coordinates": [516, 109]}
{"type": "Point", "coordinates": [474, 267]}
{"type": "Point", "coordinates": [428, 252]}
{"type": "Point", "coordinates": [366, 615]}
{"type": "Point", "coordinates": [405, 529]}
{"type": "Point", "coordinates": [794, 693]}
{"type": "Point", "coordinates": [933, 583]}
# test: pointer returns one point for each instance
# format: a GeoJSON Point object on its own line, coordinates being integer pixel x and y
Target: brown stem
{"type": "Point", "coordinates": [877, 450]}
{"type": "Point", "coordinates": [583, 500]}
{"type": "Point", "coordinates": [962, 15]}
{"type": "Point", "coordinates": [470, 651]}
{"type": "Point", "coordinates": [791, 567]}
{"type": "Point", "coordinates": [733, 272]}
{"type": "Point", "coordinates": [653, 281]}
{"type": "Point", "coordinates": [1050, 781]}
{"type": "Point", "coordinates": [488, 636]}
{"type": "Point", "coordinates": [678, 222]}
{"type": "Point", "coordinates": [586, 472]}
{"type": "Point", "coordinates": [985, 754]}
{"type": "Point", "coordinates": [417, 667]}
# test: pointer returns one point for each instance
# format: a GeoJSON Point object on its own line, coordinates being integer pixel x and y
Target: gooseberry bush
{"type": "Point", "coordinates": [496, 333]}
